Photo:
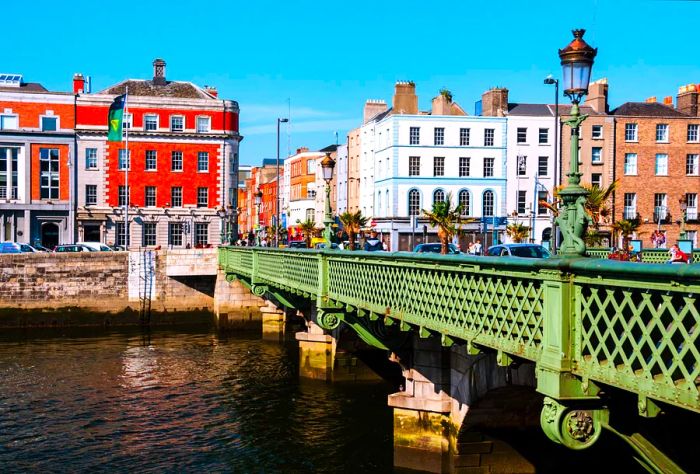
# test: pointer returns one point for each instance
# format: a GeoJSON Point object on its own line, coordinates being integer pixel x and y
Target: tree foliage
{"type": "Point", "coordinates": [517, 232]}
{"type": "Point", "coordinates": [352, 223]}
{"type": "Point", "coordinates": [447, 219]}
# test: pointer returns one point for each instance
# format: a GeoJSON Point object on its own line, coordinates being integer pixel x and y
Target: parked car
{"type": "Point", "coordinates": [10, 247]}
{"type": "Point", "coordinates": [436, 248]}
{"type": "Point", "coordinates": [73, 248]}
{"type": "Point", "coordinates": [117, 248]}
{"type": "Point", "coordinates": [40, 247]}
{"type": "Point", "coordinates": [26, 248]}
{"type": "Point", "coordinates": [297, 245]}
{"type": "Point", "coordinates": [97, 246]}
{"type": "Point", "coordinates": [518, 250]}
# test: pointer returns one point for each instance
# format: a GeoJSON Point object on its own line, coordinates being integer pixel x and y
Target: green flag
{"type": "Point", "coordinates": [114, 119]}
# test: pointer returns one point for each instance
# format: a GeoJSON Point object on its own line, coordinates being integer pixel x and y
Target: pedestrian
{"type": "Point", "coordinates": [373, 244]}
{"type": "Point", "coordinates": [385, 247]}
{"type": "Point", "coordinates": [677, 255]}
{"type": "Point", "coordinates": [470, 248]}
{"type": "Point", "coordinates": [477, 247]}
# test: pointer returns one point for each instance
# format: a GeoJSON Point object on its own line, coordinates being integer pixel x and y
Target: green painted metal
{"type": "Point", "coordinates": [584, 322]}
{"type": "Point", "coordinates": [648, 255]}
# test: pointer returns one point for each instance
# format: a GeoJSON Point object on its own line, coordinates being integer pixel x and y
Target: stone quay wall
{"type": "Point", "coordinates": [96, 288]}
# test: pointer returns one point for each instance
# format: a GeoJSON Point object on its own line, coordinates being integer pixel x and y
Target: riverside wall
{"type": "Point", "coordinates": [106, 288]}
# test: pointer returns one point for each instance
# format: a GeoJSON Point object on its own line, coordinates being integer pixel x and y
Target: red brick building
{"type": "Point", "coordinates": [183, 156]}
{"type": "Point", "coordinates": [657, 149]}
{"type": "Point", "coordinates": [37, 176]}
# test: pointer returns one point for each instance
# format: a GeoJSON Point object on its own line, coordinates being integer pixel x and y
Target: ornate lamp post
{"type": "Point", "coordinates": [221, 212]}
{"type": "Point", "coordinates": [258, 201]}
{"type": "Point", "coordinates": [684, 208]}
{"type": "Point", "coordinates": [577, 62]}
{"type": "Point", "coordinates": [327, 165]}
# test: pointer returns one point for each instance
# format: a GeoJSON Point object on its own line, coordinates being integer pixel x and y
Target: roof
{"type": "Point", "coordinates": [329, 149]}
{"type": "Point", "coordinates": [269, 162]}
{"type": "Point", "coordinates": [178, 89]}
{"type": "Point", "coordinates": [381, 115]}
{"type": "Point", "coordinates": [646, 109]}
{"type": "Point", "coordinates": [531, 110]}
{"type": "Point", "coordinates": [25, 87]}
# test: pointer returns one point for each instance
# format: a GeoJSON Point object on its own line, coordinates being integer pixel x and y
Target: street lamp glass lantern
{"type": "Point", "coordinates": [576, 63]}
{"type": "Point", "coordinates": [327, 165]}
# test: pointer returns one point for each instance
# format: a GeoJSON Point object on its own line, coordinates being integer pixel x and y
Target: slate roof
{"type": "Point", "coordinates": [176, 89]}
{"type": "Point", "coordinates": [25, 87]}
{"type": "Point", "coordinates": [329, 149]}
{"type": "Point", "coordinates": [646, 109]}
{"type": "Point", "coordinates": [531, 110]}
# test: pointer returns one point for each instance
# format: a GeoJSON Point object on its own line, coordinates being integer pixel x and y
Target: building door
{"type": "Point", "coordinates": [91, 233]}
{"type": "Point", "coordinates": [49, 235]}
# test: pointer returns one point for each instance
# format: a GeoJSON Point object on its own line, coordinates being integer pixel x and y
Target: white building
{"type": "Point", "coordinates": [341, 178]}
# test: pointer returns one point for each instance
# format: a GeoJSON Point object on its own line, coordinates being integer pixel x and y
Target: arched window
{"type": "Point", "coordinates": [487, 206]}
{"type": "Point", "coordinates": [413, 202]}
{"type": "Point", "coordinates": [438, 196]}
{"type": "Point", "coordinates": [465, 202]}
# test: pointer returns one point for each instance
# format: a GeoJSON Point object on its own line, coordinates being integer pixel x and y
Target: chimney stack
{"type": "Point", "coordinates": [78, 83]}
{"type": "Point", "coordinates": [597, 98]}
{"type": "Point", "coordinates": [405, 98]}
{"type": "Point", "coordinates": [302, 150]}
{"type": "Point", "coordinates": [687, 100]}
{"type": "Point", "coordinates": [159, 72]}
{"type": "Point", "coordinates": [441, 105]}
{"type": "Point", "coordinates": [211, 90]}
{"type": "Point", "coordinates": [494, 102]}
{"type": "Point", "coordinates": [372, 108]}
{"type": "Point", "coordinates": [651, 100]}
{"type": "Point", "coordinates": [668, 100]}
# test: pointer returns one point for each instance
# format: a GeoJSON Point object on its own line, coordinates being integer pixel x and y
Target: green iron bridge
{"type": "Point", "coordinates": [585, 323]}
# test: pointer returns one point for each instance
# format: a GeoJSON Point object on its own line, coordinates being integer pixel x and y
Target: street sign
{"type": "Point", "coordinates": [493, 220]}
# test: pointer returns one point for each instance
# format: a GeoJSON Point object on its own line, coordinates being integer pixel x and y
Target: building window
{"type": "Point", "coordinates": [464, 166]}
{"type": "Point", "coordinates": [487, 204]}
{"type": "Point", "coordinates": [49, 124]}
{"type": "Point", "coordinates": [202, 197]}
{"type": "Point", "coordinates": [597, 132]}
{"type": "Point", "coordinates": [149, 234]}
{"type": "Point", "coordinates": [310, 215]}
{"type": "Point", "coordinates": [691, 164]}
{"type": "Point", "coordinates": [522, 202]}
{"type": "Point", "coordinates": [544, 136]}
{"type": "Point", "coordinates": [48, 163]}
{"type": "Point", "coordinates": [692, 132]}
{"type": "Point", "coordinates": [522, 135]}
{"type": "Point", "coordinates": [413, 202]}
{"type": "Point", "coordinates": [662, 132]}
{"type": "Point", "coordinates": [465, 202]}
{"type": "Point", "coordinates": [543, 166]}
{"type": "Point", "coordinates": [691, 212]}
{"type": "Point", "coordinates": [123, 198]}
{"type": "Point", "coordinates": [488, 136]}
{"type": "Point", "coordinates": [660, 208]}
{"type": "Point", "coordinates": [201, 233]}
{"type": "Point", "coordinates": [414, 136]}
{"type": "Point", "coordinates": [630, 206]}
{"type": "Point", "coordinates": [126, 121]}
{"type": "Point", "coordinates": [151, 160]}
{"type": "Point", "coordinates": [177, 123]}
{"type": "Point", "coordinates": [439, 136]}
{"type": "Point", "coordinates": [202, 124]}
{"type": "Point", "coordinates": [176, 196]}
{"type": "Point", "coordinates": [203, 161]}
{"type": "Point", "coordinates": [90, 194]}
{"type": "Point", "coordinates": [596, 155]}
{"type": "Point", "coordinates": [175, 234]}
{"type": "Point", "coordinates": [414, 165]}
{"type": "Point", "coordinates": [488, 167]}
{"type": "Point", "coordinates": [541, 198]}
{"type": "Point", "coordinates": [438, 196]}
{"type": "Point", "coordinates": [630, 132]}
{"type": "Point", "coordinates": [176, 161]}
{"type": "Point", "coordinates": [8, 156]}
{"type": "Point", "coordinates": [310, 166]}
{"type": "Point", "coordinates": [124, 160]}
{"type": "Point", "coordinates": [9, 122]}
{"type": "Point", "coordinates": [522, 165]}
{"type": "Point", "coordinates": [630, 164]}
{"type": "Point", "coordinates": [439, 166]}
{"type": "Point", "coordinates": [150, 122]}
{"type": "Point", "coordinates": [463, 136]}
{"type": "Point", "coordinates": [661, 164]}
{"type": "Point", "coordinates": [150, 197]}
{"type": "Point", "coordinates": [597, 180]}
{"type": "Point", "coordinates": [121, 235]}
{"type": "Point", "coordinates": [91, 158]}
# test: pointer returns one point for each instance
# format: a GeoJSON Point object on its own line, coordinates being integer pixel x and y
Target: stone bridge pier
{"type": "Point", "coordinates": [433, 411]}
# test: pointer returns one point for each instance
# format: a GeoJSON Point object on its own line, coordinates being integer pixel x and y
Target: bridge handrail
{"type": "Point", "coordinates": [634, 326]}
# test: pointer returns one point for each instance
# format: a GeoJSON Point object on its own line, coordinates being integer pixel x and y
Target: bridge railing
{"type": "Point", "coordinates": [651, 255]}
{"type": "Point", "coordinates": [632, 326]}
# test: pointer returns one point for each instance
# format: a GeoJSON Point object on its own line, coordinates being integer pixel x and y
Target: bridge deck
{"type": "Point", "coordinates": [632, 326]}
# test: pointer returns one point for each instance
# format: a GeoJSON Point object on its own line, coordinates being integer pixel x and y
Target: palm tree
{"type": "Point", "coordinates": [446, 218]}
{"type": "Point", "coordinates": [517, 232]}
{"type": "Point", "coordinates": [626, 227]}
{"type": "Point", "coordinates": [352, 223]}
{"type": "Point", "coordinates": [308, 229]}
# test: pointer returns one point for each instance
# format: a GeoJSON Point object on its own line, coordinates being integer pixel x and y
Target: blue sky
{"type": "Point", "coordinates": [325, 58]}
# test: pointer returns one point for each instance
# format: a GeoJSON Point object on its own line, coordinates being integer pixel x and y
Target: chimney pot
{"type": "Point", "coordinates": [159, 72]}
{"type": "Point", "coordinates": [78, 83]}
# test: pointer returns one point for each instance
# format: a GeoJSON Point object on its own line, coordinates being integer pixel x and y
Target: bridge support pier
{"type": "Point", "coordinates": [235, 306]}
{"type": "Point", "coordinates": [273, 322]}
{"type": "Point", "coordinates": [316, 353]}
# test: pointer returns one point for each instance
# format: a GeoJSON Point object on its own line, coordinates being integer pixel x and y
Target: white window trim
{"type": "Point", "coordinates": [668, 133]}
{"type": "Point", "coordinates": [97, 159]}
{"type": "Point", "coordinates": [636, 133]}
{"type": "Point", "coordinates": [12, 115]}
{"type": "Point", "coordinates": [145, 116]}
{"type": "Point", "coordinates": [697, 134]}
{"type": "Point", "coordinates": [145, 162]}
{"type": "Point", "coordinates": [41, 119]}
{"type": "Point", "coordinates": [183, 123]}
{"type": "Point", "coordinates": [182, 162]}
{"type": "Point", "coordinates": [196, 123]}
{"type": "Point", "coordinates": [128, 121]}
{"type": "Point", "coordinates": [198, 170]}
{"type": "Point", "coordinates": [656, 164]}
{"type": "Point", "coordinates": [593, 137]}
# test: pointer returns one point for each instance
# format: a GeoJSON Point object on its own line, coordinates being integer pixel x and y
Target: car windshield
{"type": "Point", "coordinates": [529, 251]}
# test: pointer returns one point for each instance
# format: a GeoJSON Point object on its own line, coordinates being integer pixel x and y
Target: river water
{"type": "Point", "coordinates": [180, 400]}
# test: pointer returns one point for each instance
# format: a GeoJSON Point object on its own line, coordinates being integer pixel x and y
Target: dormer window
{"type": "Point", "coordinates": [150, 122]}
{"type": "Point", "coordinates": [177, 123]}
{"type": "Point", "coordinates": [203, 124]}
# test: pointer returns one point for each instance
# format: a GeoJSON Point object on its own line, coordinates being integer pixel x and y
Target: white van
{"type": "Point", "coordinates": [98, 246]}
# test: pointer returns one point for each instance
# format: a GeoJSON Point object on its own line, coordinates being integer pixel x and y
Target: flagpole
{"type": "Point", "coordinates": [126, 172]}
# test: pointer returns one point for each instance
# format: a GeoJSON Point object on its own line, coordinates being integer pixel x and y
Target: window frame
{"type": "Point", "coordinates": [460, 201]}
{"type": "Point", "coordinates": [594, 135]}
{"type": "Point", "coordinates": [199, 162]}
{"type": "Point", "coordinates": [122, 160]}
{"type": "Point", "coordinates": [88, 159]}
{"type": "Point", "coordinates": [492, 161]}
{"type": "Point", "coordinates": [657, 162]}
{"type": "Point", "coordinates": [149, 234]}
{"type": "Point", "coordinates": [631, 132]}
{"type": "Point", "coordinates": [546, 166]}
{"type": "Point", "coordinates": [175, 237]}
{"type": "Point", "coordinates": [626, 164]}
{"type": "Point", "coordinates": [174, 195]}
{"type": "Point", "coordinates": [411, 205]}
{"type": "Point", "coordinates": [53, 177]}
{"type": "Point", "coordinates": [123, 195]}
{"type": "Point", "coordinates": [173, 161]}
{"type": "Point", "coordinates": [150, 158]}
{"type": "Point", "coordinates": [489, 137]}
{"type": "Point", "coordinates": [599, 155]}
{"type": "Point", "coordinates": [146, 197]}
{"type": "Point", "coordinates": [201, 229]}
{"type": "Point", "coordinates": [414, 165]}
{"type": "Point", "coordinates": [485, 203]}
{"type": "Point", "coordinates": [464, 166]}
{"type": "Point", "coordinates": [521, 135]}
{"type": "Point", "coordinates": [439, 196]}
{"type": "Point", "coordinates": [521, 169]}
{"type": "Point", "coordinates": [208, 121]}
{"type": "Point", "coordinates": [56, 120]}
{"type": "Point", "coordinates": [662, 131]}
{"type": "Point", "coordinates": [88, 195]}
{"type": "Point", "coordinates": [3, 116]}
{"type": "Point", "coordinates": [438, 166]}
{"type": "Point", "coordinates": [414, 138]}
{"type": "Point", "coordinates": [627, 207]}
{"type": "Point", "coordinates": [172, 125]}
{"type": "Point", "coordinates": [693, 127]}
{"type": "Point", "coordinates": [464, 136]}
{"type": "Point", "coordinates": [546, 136]}
{"type": "Point", "coordinates": [439, 136]}
{"type": "Point", "coordinates": [202, 197]}
{"type": "Point", "coordinates": [146, 118]}
{"type": "Point", "coordinates": [521, 202]}
{"type": "Point", "coordinates": [692, 166]}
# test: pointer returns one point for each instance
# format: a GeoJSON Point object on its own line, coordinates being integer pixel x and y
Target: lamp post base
{"type": "Point", "coordinates": [573, 221]}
